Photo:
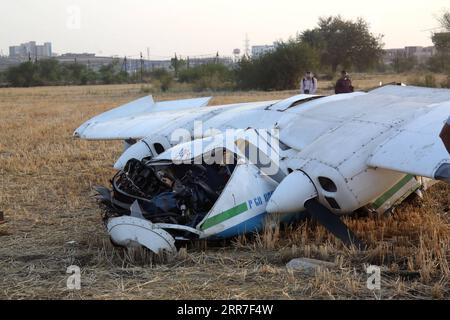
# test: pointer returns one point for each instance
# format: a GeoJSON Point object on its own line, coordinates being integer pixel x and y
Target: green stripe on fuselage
{"type": "Point", "coordinates": [387, 195]}
{"type": "Point", "coordinates": [230, 213]}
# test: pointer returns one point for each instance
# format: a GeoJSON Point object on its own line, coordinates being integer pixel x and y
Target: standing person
{"type": "Point", "coordinates": [308, 85]}
{"type": "Point", "coordinates": [344, 83]}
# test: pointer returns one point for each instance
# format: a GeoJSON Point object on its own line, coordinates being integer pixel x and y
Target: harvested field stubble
{"type": "Point", "coordinates": [46, 180]}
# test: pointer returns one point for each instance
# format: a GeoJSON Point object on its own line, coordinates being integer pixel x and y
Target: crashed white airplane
{"type": "Point", "coordinates": [334, 155]}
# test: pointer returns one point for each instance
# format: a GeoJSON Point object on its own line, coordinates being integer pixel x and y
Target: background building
{"type": "Point", "coordinates": [422, 54]}
{"type": "Point", "coordinates": [31, 50]}
{"type": "Point", "coordinates": [258, 51]}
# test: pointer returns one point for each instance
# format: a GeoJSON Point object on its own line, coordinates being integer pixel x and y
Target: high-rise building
{"type": "Point", "coordinates": [47, 49]}
{"type": "Point", "coordinates": [30, 49]}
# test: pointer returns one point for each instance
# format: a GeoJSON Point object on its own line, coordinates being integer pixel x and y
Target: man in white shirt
{"type": "Point", "coordinates": [308, 84]}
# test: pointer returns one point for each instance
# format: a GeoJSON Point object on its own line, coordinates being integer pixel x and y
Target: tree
{"type": "Point", "coordinates": [277, 70]}
{"type": "Point", "coordinates": [88, 77]}
{"type": "Point", "coordinates": [73, 72]}
{"type": "Point", "coordinates": [177, 64]}
{"type": "Point", "coordinates": [402, 63]}
{"type": "Point", "coordinates": [442, 41]}
{"type": "Point", "coordinates": [48, 71]}
{"type": "Point", "coordinates": [2, 79]}
{"type": "Point", "coordinates": [214, 76]}
{"type": "Point", "coordinates": [440, 62]}
{"type": "Point", "coordinates": [23, 75]}
{"type": "Point", "coordinates": [444, 20]}
{"type": "Point", "coordinates": [344, 43]}
{"type": "Point", "coordinates": [111, 73]}
{"type": "Point", "coordinates": [164, 79]}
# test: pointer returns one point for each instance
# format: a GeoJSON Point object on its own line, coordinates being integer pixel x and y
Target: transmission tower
{"type": "Point", "coordinates": [247, 45]}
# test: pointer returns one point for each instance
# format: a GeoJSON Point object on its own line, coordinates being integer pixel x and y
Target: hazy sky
{"type": "Point", "coordinates": [194, 27]}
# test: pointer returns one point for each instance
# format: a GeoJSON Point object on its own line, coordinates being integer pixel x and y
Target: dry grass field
{"type": "Point", "coordinates": [46, 180]}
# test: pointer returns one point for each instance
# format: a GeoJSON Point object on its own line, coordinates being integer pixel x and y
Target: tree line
{"type": "Point", "coordinates": [52, 72]}
{"type": "Point", "coordinates": [336, 43]}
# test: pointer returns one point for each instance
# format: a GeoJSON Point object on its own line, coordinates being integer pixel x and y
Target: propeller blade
{"type": "Point", "coordinates": [136, 210]}
{"type": "Point", "coordinates": [333, 224]}
{"type": "Point", "coordinates": [104, 194]}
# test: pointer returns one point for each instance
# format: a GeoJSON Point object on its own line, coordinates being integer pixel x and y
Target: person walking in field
{"type": "Point", "coordinates": [344, 84]}
{"type": "Point", "coordinates": [308, 85]}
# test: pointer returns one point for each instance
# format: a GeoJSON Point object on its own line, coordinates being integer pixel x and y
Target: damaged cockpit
{"type": "Point", "coordinates": [167, 192]}
{"type": "Point", "coordinates": [203, 188]}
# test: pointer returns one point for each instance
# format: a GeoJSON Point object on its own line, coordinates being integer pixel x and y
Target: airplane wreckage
{"type": "Point", "coordinates": [325, 156]}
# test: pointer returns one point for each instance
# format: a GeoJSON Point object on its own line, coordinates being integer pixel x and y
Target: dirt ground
{"type": "Point", "coordinates": [46, 180]}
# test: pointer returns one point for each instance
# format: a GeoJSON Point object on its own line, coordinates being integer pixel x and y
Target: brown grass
{"type": "Point", "coordinates": [46, 178]}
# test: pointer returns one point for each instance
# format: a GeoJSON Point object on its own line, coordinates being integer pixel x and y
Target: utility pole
{"type": "Point", "coordinates": [175, 65]}
{"type": "Point", "coordinates": [142, 68]}
{"type": "Point", "coordinates": [125, 64]}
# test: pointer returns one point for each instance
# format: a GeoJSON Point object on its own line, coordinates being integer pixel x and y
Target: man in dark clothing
{"type": "Point", "coordinates": [344, 84]}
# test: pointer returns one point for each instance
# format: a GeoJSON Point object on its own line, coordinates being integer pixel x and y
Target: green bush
{"type": "Point", "coordinates": [111, 73]}
{"type": "Point", "coordinates": [446, 83]}
{"type": "Point", "coordinates": [439, 63]}
{"type": "Point", "coordinates": [23, 75]}
{"type": "Point", "coordinates": [162, 79]}
{"type": "Point", "coordinates": [402, 64]}
{"type": "Point", "coordinates": [428, 80]}
{"type": "Point", "coordinates": [51, 72]}
{"type": "Point", "coordinates": [211, 76]}
{"type": "Point", "coordinates": [281, 69]}
{"type": "Point", "coordinates": [146, 89]}
{"type": "Point", "coordinates": [213, 82]}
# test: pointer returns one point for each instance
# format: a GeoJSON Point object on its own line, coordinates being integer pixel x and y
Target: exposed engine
{"type": "Point", "coordinates": [167, 193]}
